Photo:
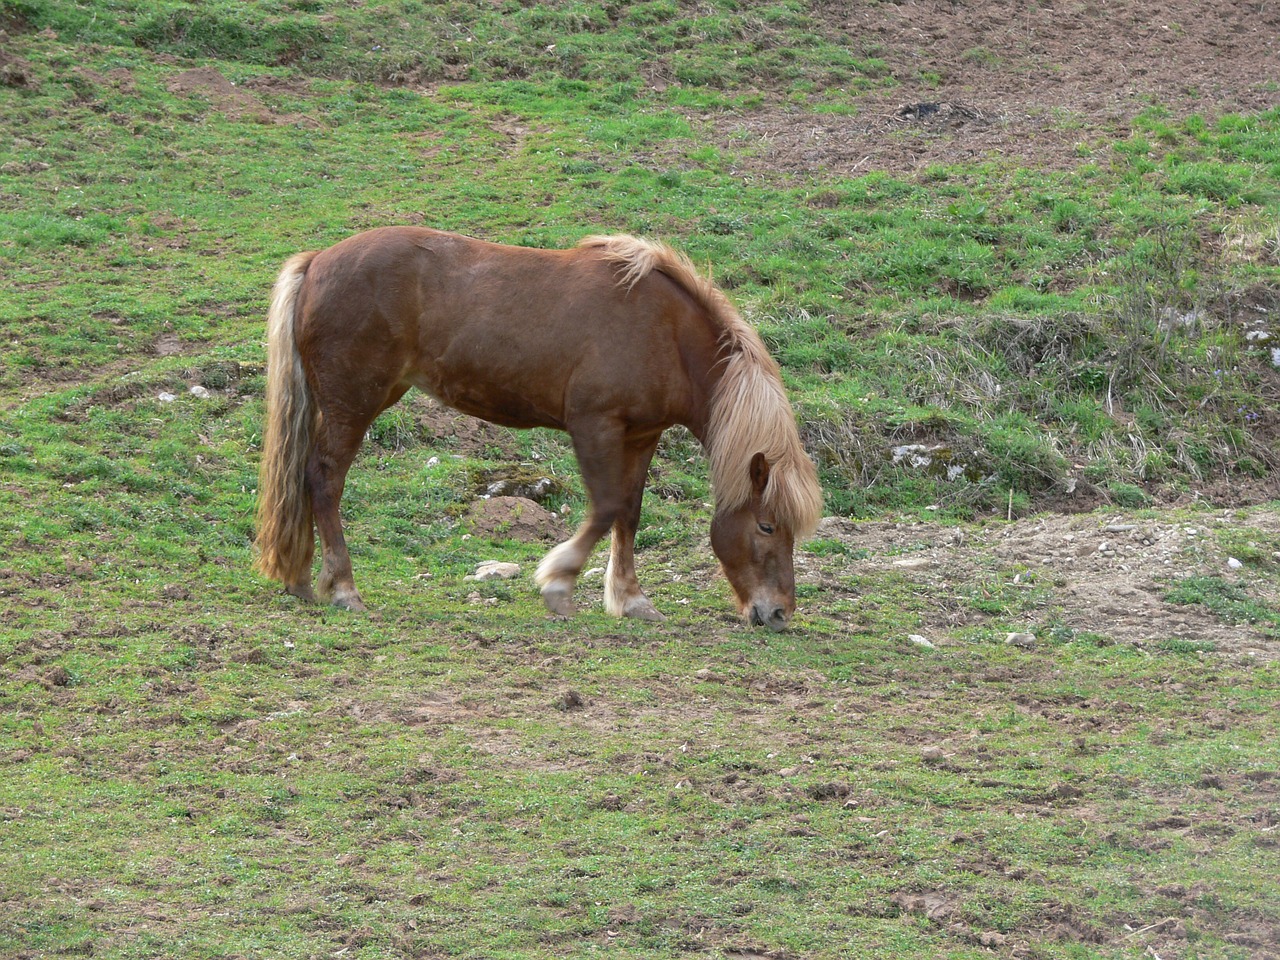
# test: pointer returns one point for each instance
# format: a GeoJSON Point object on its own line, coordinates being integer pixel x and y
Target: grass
{"type": "Point", "coordinates": [196, 765]}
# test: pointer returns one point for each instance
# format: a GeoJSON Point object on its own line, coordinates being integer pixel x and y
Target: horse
{"type": "Point", "coordinates": [611, 341]}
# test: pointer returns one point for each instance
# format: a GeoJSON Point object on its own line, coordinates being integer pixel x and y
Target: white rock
{"type": "Point", "coordinates": [913, 563]}
{"type": "Point", "coordinates": [920, 641]}
{"type": "Point", "coordinates": [199, 391]}
{"type": "Point", "coordinates": [496, 570]}
{"type": "Point", "coordinates": [1233, 563]}
{"type": "Point", "coordinates": [1024, 640]}
{"type": "Point", "coordinates": [166, 397]}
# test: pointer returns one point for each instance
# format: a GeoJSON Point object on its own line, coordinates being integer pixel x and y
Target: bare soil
{"type": "Point", "coordinates": [1041, 84]}
{"type": "Point", "coordinates": [1102, 573]}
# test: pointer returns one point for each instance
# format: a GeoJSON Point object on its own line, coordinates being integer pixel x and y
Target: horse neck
{"type": "Point", "coordinates": [704, 351]}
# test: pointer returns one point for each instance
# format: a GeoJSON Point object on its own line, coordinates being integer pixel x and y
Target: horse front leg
{"type": "Point", "coordinates": [598, 444]}
{"type": "Point", "coordinates": [622, 594]}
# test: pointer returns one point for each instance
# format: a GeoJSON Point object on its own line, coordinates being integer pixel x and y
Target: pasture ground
{"type": "Point", "coordinates": [1037, 243]}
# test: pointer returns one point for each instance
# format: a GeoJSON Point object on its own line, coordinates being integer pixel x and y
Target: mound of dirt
{"type": "Point", "coordinates": [515, 518]}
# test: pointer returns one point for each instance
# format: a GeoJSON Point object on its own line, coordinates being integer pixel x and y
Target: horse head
{"type": "Point", "coordinates": [754, 546]}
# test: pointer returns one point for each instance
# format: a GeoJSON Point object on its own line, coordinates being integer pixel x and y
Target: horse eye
{"type": "Point", "coordinates": [766, 528]}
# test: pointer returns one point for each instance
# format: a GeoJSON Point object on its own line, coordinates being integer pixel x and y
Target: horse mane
{"type": "Point", "coordinates": [749, 410]}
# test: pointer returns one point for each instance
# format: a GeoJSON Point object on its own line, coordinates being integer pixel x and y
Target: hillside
{"type": "Point", "coordinates": [1020, 265]}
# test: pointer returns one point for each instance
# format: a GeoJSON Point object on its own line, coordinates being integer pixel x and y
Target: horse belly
{"type": "Point", "coordinates": [488, 401]}
{"type": "Point", "coordinates": [484, 378]}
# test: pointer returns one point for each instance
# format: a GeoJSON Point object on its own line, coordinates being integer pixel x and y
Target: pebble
{"type": "Point", "coordinates": [1233, 563]}
{"type": "Point", "coordinates": [199, 391]}
{"type": "Point", "coordinates": [920, 641]}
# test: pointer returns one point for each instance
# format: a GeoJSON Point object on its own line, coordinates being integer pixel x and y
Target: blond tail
{"type": "Point", "coordinates": [286, 540]}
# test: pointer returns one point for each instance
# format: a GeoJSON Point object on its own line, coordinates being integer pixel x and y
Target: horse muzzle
{"type": "Point", "coordinates": [769, 615]}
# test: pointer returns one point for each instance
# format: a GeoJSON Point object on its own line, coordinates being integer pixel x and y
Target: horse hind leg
{"type": "Point", "coordinates": [341, 434]}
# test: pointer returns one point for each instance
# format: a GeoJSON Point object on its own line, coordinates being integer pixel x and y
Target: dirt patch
{"type": "Point", "coordinates": [14, 71]}
{"type": "Point", "coordinates": [226, 97]}
{"type": "Point", "coordinates": [1105, 574]}
{"type": "Point", "coordinates": [1031, 84]}
{"type": "Point", "coordinates": [465, 435]}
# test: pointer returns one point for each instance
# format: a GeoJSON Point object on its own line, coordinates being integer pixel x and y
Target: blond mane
{"type": "Point", "coordinates": [750, 412]}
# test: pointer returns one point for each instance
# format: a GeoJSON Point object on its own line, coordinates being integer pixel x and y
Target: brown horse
{"type": "Point", "coordinates": [612, 341]}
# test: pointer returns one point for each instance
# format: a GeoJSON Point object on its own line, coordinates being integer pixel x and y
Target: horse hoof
{"type": "Point", "coordinates": [302, 592]}
{"type": "Point", "coordinates": [350, 602]}
{"type": "Point", "coordinates": [641, 609]}
{"type": "Point", "coordinates": [559, 601]}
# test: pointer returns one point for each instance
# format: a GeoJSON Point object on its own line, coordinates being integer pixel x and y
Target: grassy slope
{"type": "Point", "coordinates": [202, 768]}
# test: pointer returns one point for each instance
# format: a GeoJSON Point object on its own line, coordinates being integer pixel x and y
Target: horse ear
{"type": "Point", "coordinates": [759, 474]}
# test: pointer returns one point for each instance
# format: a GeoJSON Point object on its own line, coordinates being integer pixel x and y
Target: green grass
{"type": "Point", "coordinates": [1229, 601]}
{"type": "Point", "coordinates": [195, 765]}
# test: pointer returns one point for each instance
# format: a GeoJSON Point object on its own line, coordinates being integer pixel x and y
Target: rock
{"type": "Point", "coordinates": [920, 641]}
{"type": "Point", "coordinates": [166, 397]}
{"type": "Point", "coordinates": [496, 570]}
{"type": "Point", "coordinates": [199, 391]}
{"type": "Point", "coordinates": [536, 489]}
{"type": "Point", "coordinates": [932, 755]}
{"type": "Point", "coordinates": [1024, 640]}
{"type": "Point", "coordinates": [913, 563]}
{"type": "Point", "coordinates": [1233, 563]}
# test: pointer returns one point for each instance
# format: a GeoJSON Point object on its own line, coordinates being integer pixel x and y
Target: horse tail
{"type": "Point", "coordinates": [285, 541]}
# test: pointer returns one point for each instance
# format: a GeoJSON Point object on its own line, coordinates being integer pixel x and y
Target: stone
{"type": "Point", "coordinates": [496, 570]}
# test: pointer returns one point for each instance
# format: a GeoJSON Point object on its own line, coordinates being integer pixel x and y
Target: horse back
{"type": "Point", "coordinates": [514, 335]}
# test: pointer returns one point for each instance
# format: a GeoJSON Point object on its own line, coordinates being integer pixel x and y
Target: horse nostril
{"type": "Point", "coordinates": [775, 618]}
